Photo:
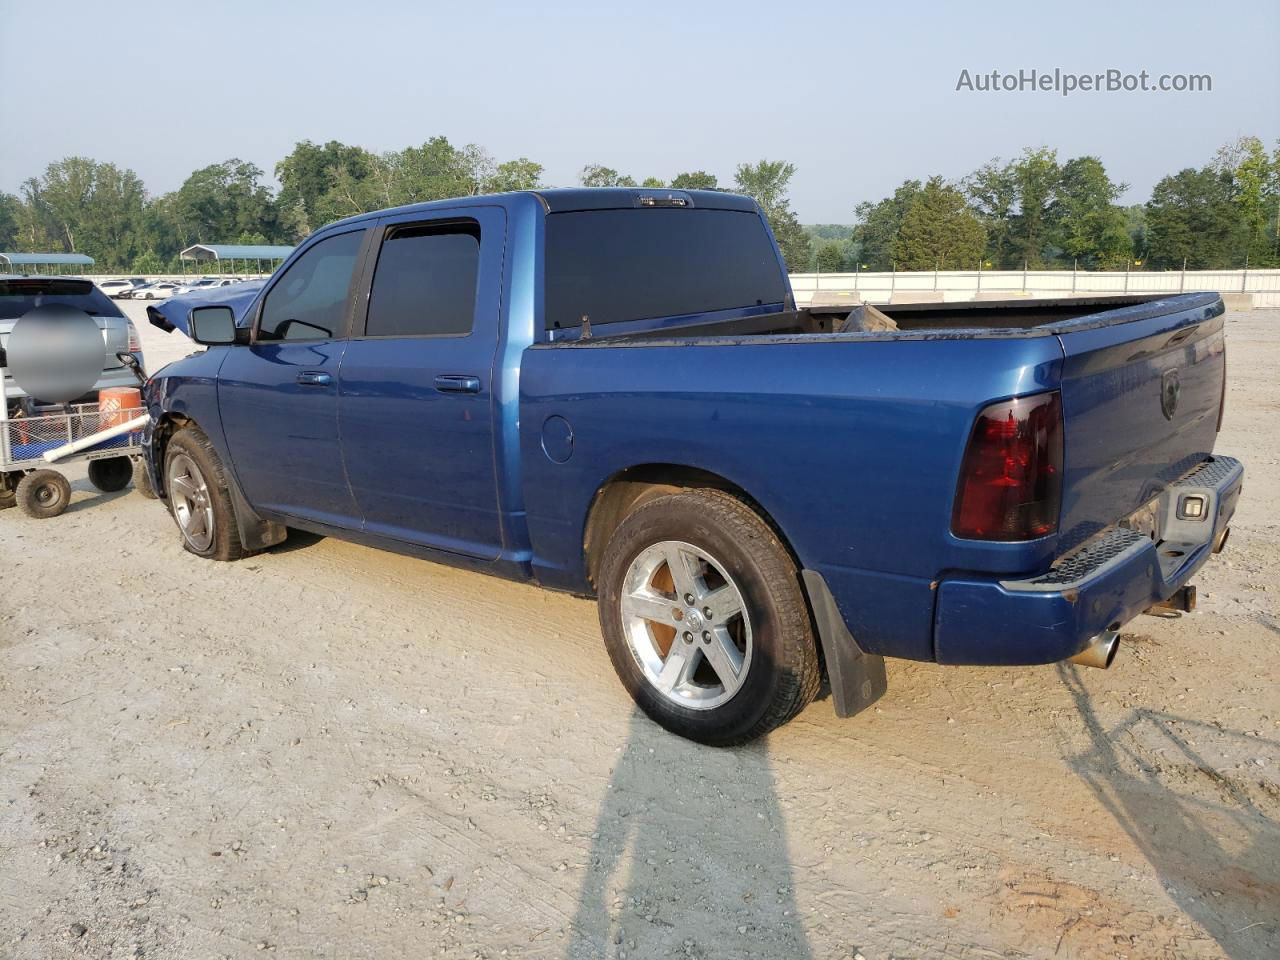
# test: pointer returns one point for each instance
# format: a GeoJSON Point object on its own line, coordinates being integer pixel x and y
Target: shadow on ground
{"type": "Point", "coordinates": [692, 866]}
{"type": "Point", "coordinates": [1211, 835]}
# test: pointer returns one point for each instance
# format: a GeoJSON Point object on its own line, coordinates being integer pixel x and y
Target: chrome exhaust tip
{"type": "Point", "coordinates": [1222, 540]}
{"type": "Point", "coordinates": [1101, 652]}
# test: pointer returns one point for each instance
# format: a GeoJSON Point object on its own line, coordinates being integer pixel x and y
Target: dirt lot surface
{"type": "Point", "coordinates": [328, 751]}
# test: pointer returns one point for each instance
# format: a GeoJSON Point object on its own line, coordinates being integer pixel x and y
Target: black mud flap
{"type": "Point", "coordinates": [857, 678]}
{"type": "Point", "coordinates": [256, 533]}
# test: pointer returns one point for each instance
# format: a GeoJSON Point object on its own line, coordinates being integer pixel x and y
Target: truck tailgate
{"type": "Point", "coordinates": [1141, 392]}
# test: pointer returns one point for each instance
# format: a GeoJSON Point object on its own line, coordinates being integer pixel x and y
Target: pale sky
{"type": "Point", "coordinates": [858, 96]}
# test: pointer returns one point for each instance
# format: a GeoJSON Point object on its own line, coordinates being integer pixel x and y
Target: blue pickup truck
{"type": "Point", "coordinates": [612, 392]}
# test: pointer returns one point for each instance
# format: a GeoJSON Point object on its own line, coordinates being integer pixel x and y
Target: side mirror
{"type": "Point", "coordinates": [212, 326]}
{"type": "Point", "coordinates": [130, 361]}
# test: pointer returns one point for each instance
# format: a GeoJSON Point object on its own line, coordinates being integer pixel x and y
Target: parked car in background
{"type": "Point", "coordinates": [160, 290]}
{"type": "Point", "coordinates": [206, 283]}
{"type": "Point", "coordinates": [18, 295]}
{"type": "Point", "coordinates": [611, 392]}
{"type": "Point", "coordinates": [122, 287]}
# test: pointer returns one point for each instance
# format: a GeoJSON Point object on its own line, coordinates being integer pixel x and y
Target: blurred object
{"type": "Point", "coordinates": [55, 353]}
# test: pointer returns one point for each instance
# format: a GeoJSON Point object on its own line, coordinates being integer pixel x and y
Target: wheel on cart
{"type": "Point", "coordinates": [43, 494]}
{"type": "Point", "coordinates": [142, 479]}
{"type": "Point", "coordinates": [111, 474]}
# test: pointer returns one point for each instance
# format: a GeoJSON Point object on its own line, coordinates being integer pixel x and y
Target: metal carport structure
{"type": "Point", "coordinates": [32, 262]}
{"type": "Point", "coordinates": [231, 252]}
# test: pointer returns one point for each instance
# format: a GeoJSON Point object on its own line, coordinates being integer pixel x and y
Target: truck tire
{"type": "Point", "coordinates": [110, 474]}
{"type": "Point", "coordinates": [142, 479]}
{"type": "Point", "coordinates": [42, 494]}
{"type": "Point", "coordinates": [704, 618]}
{"type": "Point", "coordinates": [196, 483]}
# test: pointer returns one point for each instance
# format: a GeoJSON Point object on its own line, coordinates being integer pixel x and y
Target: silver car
{"type": "Point", "coordinates": [18, 294]}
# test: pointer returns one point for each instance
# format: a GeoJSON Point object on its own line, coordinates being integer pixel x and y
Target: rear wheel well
{"type": "Point", "coordinates": [631, 488]}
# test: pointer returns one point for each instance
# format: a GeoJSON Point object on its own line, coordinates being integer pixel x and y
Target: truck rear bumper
{"type": "Point", "coordinates": [1106, 582]}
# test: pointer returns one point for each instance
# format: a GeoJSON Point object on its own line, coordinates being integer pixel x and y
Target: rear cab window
{"type": "Point", "coordinates": [625, 265]}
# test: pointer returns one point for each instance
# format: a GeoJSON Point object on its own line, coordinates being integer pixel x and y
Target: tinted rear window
{"type": "Point", "coordinates": [615, 265]}
{"type": "Point", "coordinates": [19, 296]}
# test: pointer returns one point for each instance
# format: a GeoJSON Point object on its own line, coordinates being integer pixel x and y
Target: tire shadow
{"type": "Point", "coordinates": [97, 498]}
{"type": "Point", "coordinates": [1213, 836]}
{"type": "Point", "coordinates": [689, 856]}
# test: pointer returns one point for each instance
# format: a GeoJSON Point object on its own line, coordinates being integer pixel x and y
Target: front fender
{"type": "Point", "coordinates": [188, 393]}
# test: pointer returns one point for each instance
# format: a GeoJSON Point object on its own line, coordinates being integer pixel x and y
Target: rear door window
{"type": "Point", "coordinates": [424, 284]}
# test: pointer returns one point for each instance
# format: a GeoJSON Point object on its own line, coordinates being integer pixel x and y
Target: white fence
{"type": "Point", "coordinates": [1263, 286]}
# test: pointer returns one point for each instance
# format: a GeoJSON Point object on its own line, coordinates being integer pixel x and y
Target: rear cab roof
{"type": "Point", "coordinates": [569, 199]}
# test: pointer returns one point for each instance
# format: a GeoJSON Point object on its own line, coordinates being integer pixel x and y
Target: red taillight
{"type": "Point", "coordinates": [1011, 480]}
{"type": "Point", "coordinates": [135, 342]}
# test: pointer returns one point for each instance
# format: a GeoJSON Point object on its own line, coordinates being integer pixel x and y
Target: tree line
{"type": "Point", "coordinates": [1034, 210]}
{"type": "Point", "coordinates": [1040, 212]}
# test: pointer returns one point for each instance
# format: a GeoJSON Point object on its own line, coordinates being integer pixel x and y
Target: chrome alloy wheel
{"type": "Point", "coordinates": [192, 503]}
{"type": "Point", "coordinates": [686, 624]}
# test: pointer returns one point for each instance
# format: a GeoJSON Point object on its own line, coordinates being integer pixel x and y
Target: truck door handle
{"type": "Point", "coordinates": [454, 383]}
{"type": "Point", "coordinates": [314, 378]}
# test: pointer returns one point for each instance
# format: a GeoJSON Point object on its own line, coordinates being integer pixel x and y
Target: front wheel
{"type": "Point", "coordinates": [704, 618]}
{"type": "Point", "coordinates": [142, 479]}
{"type": "Point", "coordinates": [196, 484]}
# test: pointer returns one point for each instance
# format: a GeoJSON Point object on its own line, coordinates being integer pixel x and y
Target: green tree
{"type": "Point", "coordinates": [1135, 225]}
{"type": "Point", "coordinates": [1016, 204]}
{"type": "Point", "coordinates": [82, 206]}
{"type": "Point", "coordinates": [1036, 176]}
{"type": "Point", "coordinates": [767, 182]}
{"type": "Point", "coordinates": [1086, 223]}
{"type": "Point", "coordinates": [223, 200]}
{"type": "Point", "coordinates": [595, 175]}
{"type": "Point", "coordinates": [1255, 193]}
{"type": "Point", "coordinates": [147, 263]}
{"type": "Point", "coordinates": [1191, 218]}
{"type": "Point", "coordinates": [879, 224]}
{"type": "Point", "coordinates": [306, 176]}
{"type": "Point", "coordinates": [994, 197]}
{"type": "Point", "coordinates": [10, 221]}
{"type": "Point", "coordinates": [521, 174]}
{"type": "Point", "coordinates": [696, 180]}
{"type": "Point", "coordinates": [830, 256]}
{"type": "Point", "coordinates": [939, 231]}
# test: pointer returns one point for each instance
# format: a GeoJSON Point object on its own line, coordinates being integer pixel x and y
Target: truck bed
{"type": "Point", "coordinates": [961, 319]}
{"type": "Point", "coordinates": [865, 432]}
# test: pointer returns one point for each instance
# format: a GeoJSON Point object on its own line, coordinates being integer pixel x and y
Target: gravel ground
{"type": "Point", "coordinates": [333, 752]}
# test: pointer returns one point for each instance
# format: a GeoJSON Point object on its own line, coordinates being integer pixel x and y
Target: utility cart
{"type": "Point", "coordinates": [33, 436]}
